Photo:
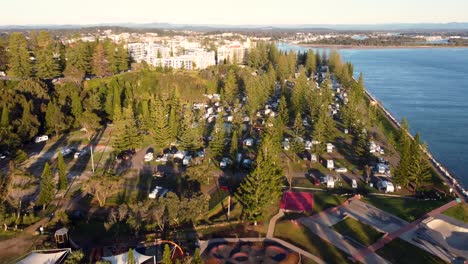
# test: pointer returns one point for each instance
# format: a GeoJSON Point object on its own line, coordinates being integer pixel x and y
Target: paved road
{"type": "Point", "coordinates": [370, 215]}
{"type": "Point", "coordinates": [390, 237]}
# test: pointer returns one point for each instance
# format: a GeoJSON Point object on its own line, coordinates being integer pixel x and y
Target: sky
{"type": "Point", "coordinates": [232, 12]}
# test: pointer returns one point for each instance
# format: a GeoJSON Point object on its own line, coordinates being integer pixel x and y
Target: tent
{"type": "Point", "coordinates": [45, 257]}
{"type": "Point", "coordinates": [122, 258]}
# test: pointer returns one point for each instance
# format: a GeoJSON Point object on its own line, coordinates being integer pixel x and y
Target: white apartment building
{"type": "Point", "coordinates": [160, 55]}
{"type": "Point", "coordinates": [234, 52]}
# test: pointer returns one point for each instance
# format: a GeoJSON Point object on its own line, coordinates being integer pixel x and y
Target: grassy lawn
{"type": "Point", "coordinates": [358, 231]}
{"type": "Point", "coordinates": [324, 200]}
{"type": "Point", "coordinates": [401, 252]}
{"type": "Point", "coordinates": [300, 236]}
{"type": "Point", "coordinates": [4, 235]}
{"type": "Point", "coordinates": [459, 212]}
{"type": "Point", "coordinates": [406, 209]}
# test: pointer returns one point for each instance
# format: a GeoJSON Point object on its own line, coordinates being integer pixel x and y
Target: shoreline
{"type": "Point", "coordinates": [377, 47]}
{"type": "Point", "coordinates": [440, 169]}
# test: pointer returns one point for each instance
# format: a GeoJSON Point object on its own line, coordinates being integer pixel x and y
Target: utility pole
{"type": "Point", "coordinates": [229, 206]}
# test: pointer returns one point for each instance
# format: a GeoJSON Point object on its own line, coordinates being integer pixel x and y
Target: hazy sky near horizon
{"type": "Point", "coordinates": [239, 12]}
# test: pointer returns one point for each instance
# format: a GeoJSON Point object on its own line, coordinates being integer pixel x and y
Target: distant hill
{"type": "Point", "coordinates": [208, 27]}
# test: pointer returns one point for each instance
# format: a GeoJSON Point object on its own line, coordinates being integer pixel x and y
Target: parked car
{"type": "Point", "coordinates": [81, 153]}
{"type": "Point", "coordinates": [158, 191]}
{"type": "Point", "coordinates": [41, 138]}
{"type": "Point", "coordinates": [354, 184]}
{"type": "Point", "coordinates": [67, 151]}
{"type": "Point", "coordinates": [149, 155]}
{"type": "Point", "coordinates": [341, 170]}
{"type": "Point", "coordinates": [186, 160]}
{"type": "Point", "coordinates": [225, 162]}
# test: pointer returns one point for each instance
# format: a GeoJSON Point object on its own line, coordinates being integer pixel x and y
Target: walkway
{"type": "Point", "coordinates": [272, 224]}
{"type": "Point", "coordinates": [390, 237]}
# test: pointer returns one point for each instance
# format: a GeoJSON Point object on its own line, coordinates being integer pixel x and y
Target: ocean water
{"type": "Point", "coordinates": [427, 86]}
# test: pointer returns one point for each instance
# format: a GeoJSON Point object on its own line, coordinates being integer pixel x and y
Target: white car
{"type": "Point", "coordinates": [149, 157]}
{"type": "Point", "coordinates": [157, 191]}
{"type": "Point", "coordinates": [225, 162]}
{"type": "Point", "coordinates": [186, 160]}
{"type": "Point", "coordinates": [41, 138]}
{"type": "Point", "coordinates": [341, 170]}
{"type": "Point", "coordinates": [248, 142]}
{"type": "Point", "coordinates": [80, 153]}
{"type": "Point", "coordinates": [66, 151]}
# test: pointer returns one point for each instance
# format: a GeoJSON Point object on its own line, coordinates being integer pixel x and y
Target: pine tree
{"type": "Point", "coordinates": [230, 87]}
{"type": "Point", "coordinates": [404, 148]}
{"type": "Point", "coordinates": [297, 96]}
{"type": "Point", "coordinates": [298, 127]}
{"type": "Point", "coordinates": [196, 257]}
{"type": "Point", "coordinates": [159, 129]}
{"type": "Point", "coordinates": [100, 61]}
{"type": "Point", "coordinates": [76, 107]}
{"type": "Point", "coordinates": [123, 58]}
{"type": "Point", "coordinates": [167, 256]}
{"type": "Point", "coordinates": [189, 132]}
{"type": "Point", "coordinates": [4, 119]}
{"type": "Point", "coordinates": [319, 132]}
{"type": "Point", "coordinates": [132, 133]}
{"type": "Point", "coordinates": [47, 67]}
{"type": "Point", "coordinates": [173, 122]}
{"type": "Point", "coordinates": [218, 138]}
{"type": "Point", "coordinates": [62, 171]}
{"type": "Point", "coordinates": [283, 110]}
{"type": "Point", "coordinates": [263, 186]}
{"type": "Point", "coordinates": [29, 124]}
{"type": "Point", "coordinates": [311, 63]}
{"type": "Point", "coordinates": [234, 144]}
{"type": "Point", "coordinates": [130, 257]}
{"type": "Point", "coordinates": [47, 188]}
{"type": "Point", "coordinates": [19, 63]}
{"type": "Point", "coordinates": [55, 119]}
{"type": "Point", "coordinates": [79, 56]}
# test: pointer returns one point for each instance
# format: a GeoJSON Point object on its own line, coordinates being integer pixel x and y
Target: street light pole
{"type": "Point", "coordinates": [229, 206]}
{"type": "Point", "coordinates": [92, 156]}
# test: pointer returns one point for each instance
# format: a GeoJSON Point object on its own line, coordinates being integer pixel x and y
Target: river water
{"type": "Point", "coordinates": [427, 86]}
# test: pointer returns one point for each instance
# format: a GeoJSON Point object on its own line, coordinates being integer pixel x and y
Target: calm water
{"type": "Point", "coordinates": [427, 86]}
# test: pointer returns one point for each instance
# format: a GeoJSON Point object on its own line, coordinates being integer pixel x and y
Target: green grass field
{"type": "Point", "coordinates": [358, 231]}
{"type": "Point", "coordinates": [401, 252]}
{"type": "Point", "coordinates": [300, 236]}
{"type": "Point", "coordinates": [459, 212]}
{"type": "Point", "coordinates": [406, 209]}
{"type": "Point", "coordinates": [324, 200]}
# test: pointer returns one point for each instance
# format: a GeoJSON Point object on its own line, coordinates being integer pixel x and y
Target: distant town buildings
{"type": "Point", "coordinates": [191, 50]}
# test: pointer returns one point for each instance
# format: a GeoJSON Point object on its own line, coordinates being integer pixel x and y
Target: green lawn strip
{"type": "Point", "coordinates": [406, 209]}
{"type": "Point", "coordinates": [459, 212]}
{"type": "Point", "coordinates": [300, 236]}
{"type": "Point", "coordinates": [4, 235]}
{"type": "Point", "coordinates": [358, 231]}
{"type": "Point", "coordinates": [401, 252]}
{"type": "Point", "coordinates": [325, 200]}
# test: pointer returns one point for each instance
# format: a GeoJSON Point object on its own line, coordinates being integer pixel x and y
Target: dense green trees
{"type": "Point", "coordinates": [47, 187]}
{"type": "Point", "coordinates": [190, 134]}
{"type": "Point", "coordinates": [159, 128]}
{"type": "Point", "coordinates": [47, 65]}
{"type": "Point", "coordinates": [218, 138]}
{"type": "Point", "coordinates": [413, 167]}
{"type": "Point", "coordinates": [42, 56]}
{"type": "Point", "coordinates": [230, 89]}
{"type": "Point", "coordinates": [263, 186]}
{"type": "Point", "coordinates": [19, 63]}
{"type": "Point", "coordinates": [62, 172]}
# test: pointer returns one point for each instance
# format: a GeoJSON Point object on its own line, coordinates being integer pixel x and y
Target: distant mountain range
{"type": "Point", "coordinates": [455, 26]}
